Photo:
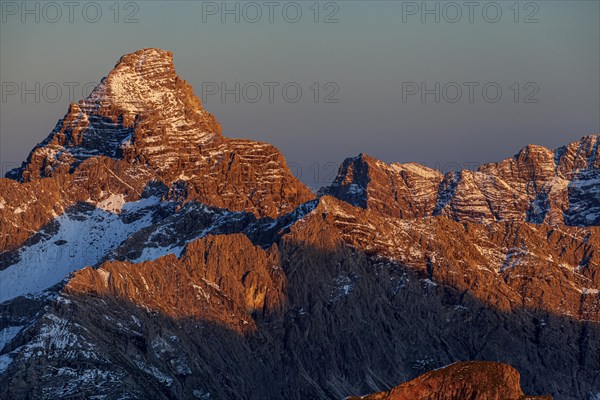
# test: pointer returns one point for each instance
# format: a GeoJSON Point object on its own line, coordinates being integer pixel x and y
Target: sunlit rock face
{"type": "Point", "coordinates": [464, 380]}
{"type": "Point", "coordinates": [143, 254]}
{"type": "Point", "coordinates": [143, 124]}
{"type": "Point", "coordinates": [537, 185]}
{"type": "Point", "coordinates": [142, 109]}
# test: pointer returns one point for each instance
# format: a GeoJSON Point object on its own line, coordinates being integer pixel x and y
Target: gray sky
{"type": "Point", "coordinates": [362, 67]}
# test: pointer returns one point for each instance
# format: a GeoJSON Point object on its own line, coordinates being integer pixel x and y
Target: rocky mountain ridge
{"type": "Point", "coordinates": [142, 124]}
{"type": "Point", "coordinates": [476, 379]}
{"type": "Point", "coordinates": [145, 255]}
{"type": "Point", "coordinates": [537, 185]}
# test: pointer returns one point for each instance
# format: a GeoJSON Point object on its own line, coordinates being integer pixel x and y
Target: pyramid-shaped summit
{"type": "Point", "coordinates": [141, 109]}
{"type": "Point", "coordinates": [144, 124]}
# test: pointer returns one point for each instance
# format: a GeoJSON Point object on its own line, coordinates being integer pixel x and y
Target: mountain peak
{"type": "Point", "coordinates": [142, 110]}
{"type": "Point", "coordinates": [147, 119]}
{"type": "Point", "coordinates": [145, 81]}
{"type": "Point", "coordinates": [147, 54]}
{"type": "Point", "coordinates": [137, 79]}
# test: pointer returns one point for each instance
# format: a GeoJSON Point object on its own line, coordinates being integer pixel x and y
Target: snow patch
{"type": "Point", "coordinates": [105, 276]}
{"type": "Point", "coordinates": [355, 189]}
{"type": "Point", "coordinates": [5, 361]}
{"type": "Point", "coordinates": [114, 203]}
{"type": "Point", "coordinates": [429, 282]}
{"type": "Point", "coordinates": [203, 395]}
{"type": "Point", "coordinates": [587, 291]}
{"type": "Point", "coordinates": [342, 286]}
{"type": "Point", "coordinates": [8, 334]}
{"type": "Point", "coordinates": [82, 238]}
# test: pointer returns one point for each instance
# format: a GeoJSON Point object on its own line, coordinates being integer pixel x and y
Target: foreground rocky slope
{"type": "Point", "coordinates": [145, 255]}
{"type": "Point", "coordinates": [466, 380]}
{"type": "Point", "coordinates": [349, 324]}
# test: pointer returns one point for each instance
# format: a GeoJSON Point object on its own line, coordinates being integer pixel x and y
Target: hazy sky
{"type": "Point", "coordinates": [362, 67]}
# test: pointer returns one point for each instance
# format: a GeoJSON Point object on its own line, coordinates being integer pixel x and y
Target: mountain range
{"type": "Point", "coordinates": [143, 254]}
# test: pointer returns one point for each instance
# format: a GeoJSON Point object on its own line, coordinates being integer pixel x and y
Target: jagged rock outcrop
{"type": "Point", "coordinates": [27, 207]}
{"type": "Point", "coordinates": [476, 380]}
{"type": "Point", "coordinates": [537, 185]}
{"type": "Point", "coordinates": [143, 123]}
{"type": "Point", "coordinates": [507, 265]}
{"type": "Point", "coordinates": [141, 111]}
{"type": "Point", "coordinates": [220, 279]}
{"type": "Point", "coordinates": [399, 190]}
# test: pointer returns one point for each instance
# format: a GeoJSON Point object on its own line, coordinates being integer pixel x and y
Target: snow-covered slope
{"type": "Point", "coordinates": [80, 237]}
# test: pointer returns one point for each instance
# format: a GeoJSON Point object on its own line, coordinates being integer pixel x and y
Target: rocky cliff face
{"type": "Point", "coordinates": [399, 190]}
{"type": "Point", "coordinates": [143, 124]}
{"type": "Point", "coordinates": [220, 279]}
{"type": "Point", "coordinates": [467, 380]}
{"type": "Point", "coordinates": [537, 185]}
{"type": "Point", "coordinates": [506, 265]}
{"type": "Point", "coordinates": [142, 110]}
{"type": "Point", "coordinates": [145, 255]}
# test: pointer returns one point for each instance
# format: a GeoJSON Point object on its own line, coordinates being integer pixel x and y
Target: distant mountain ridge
{"type": "Point", "coordinates": [537, 185]}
